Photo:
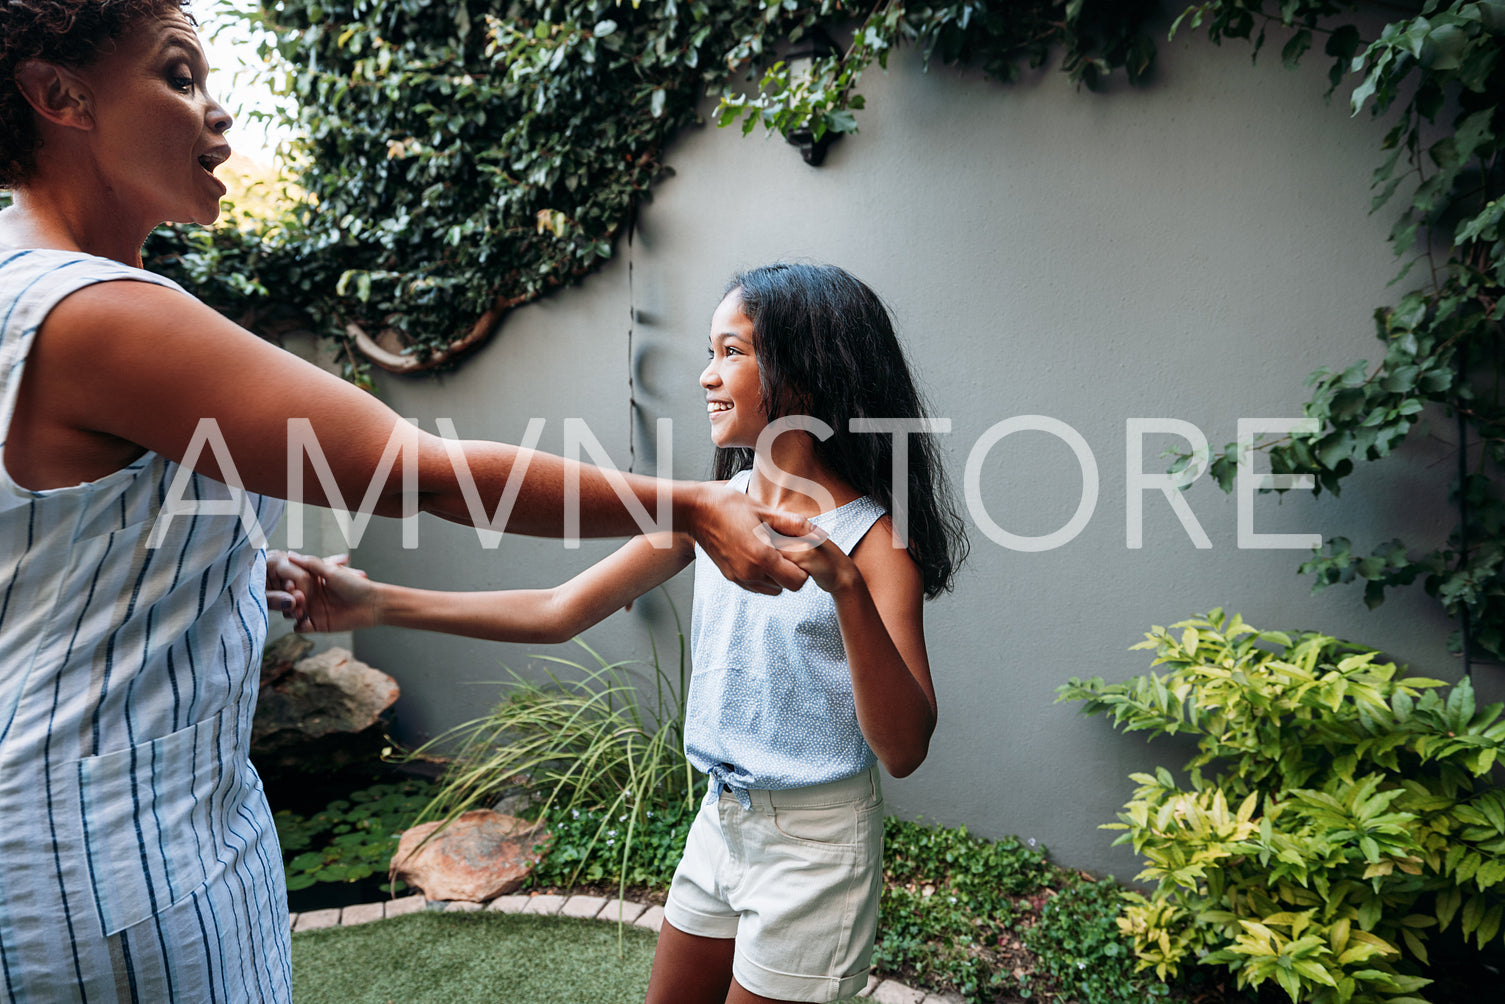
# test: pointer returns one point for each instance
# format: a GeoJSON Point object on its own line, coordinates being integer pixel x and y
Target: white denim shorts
{"type": "Point", "coordinates": [795, 880]}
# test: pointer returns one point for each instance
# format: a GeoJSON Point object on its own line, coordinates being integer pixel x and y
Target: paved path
{"type": "Point", "coordinates": [584, 907]}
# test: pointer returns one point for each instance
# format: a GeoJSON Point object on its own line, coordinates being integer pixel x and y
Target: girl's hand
{"type": "Point", "coordinates": [827, 564]}
{"type": "Point", "coordinates": [338, 597]}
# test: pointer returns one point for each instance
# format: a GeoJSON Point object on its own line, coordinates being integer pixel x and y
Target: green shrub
{"type": "Point", "coordinates": [982, 872]}
{"type": "Point", "coordinates": [1347, 812]}
{"type": "Point", "coordinates": [961, 912]}
{"type": "Point", "coordinates": [948, 899]}
{"type": "Point", "coordinates": [586, 845]}
{"type": "Point", "coordinates": [1078, 946]}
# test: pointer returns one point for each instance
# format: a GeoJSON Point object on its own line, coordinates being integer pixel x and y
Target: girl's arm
{"type": "Point", "coordinates": [340, 599]}
{"type": "Point", "coordinates": [118, 366]}
{"type": "Point", "coordinates": [878, 593]}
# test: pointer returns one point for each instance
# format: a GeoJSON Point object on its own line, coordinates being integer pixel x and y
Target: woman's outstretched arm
{"type": "Point", "coordinates": [119, 366]}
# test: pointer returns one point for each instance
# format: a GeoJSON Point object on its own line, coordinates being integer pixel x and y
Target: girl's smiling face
{"type": "Point", "coordinates": [157, 132]}
{"type": "Point", "coordinates": [733, 392]}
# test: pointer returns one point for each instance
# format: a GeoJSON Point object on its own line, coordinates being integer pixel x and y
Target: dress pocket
{"type": "Point", "coordinates": [154, 819]}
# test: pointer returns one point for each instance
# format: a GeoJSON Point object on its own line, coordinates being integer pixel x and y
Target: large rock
{"type": "Point", "coordinates": [280, 656]}
{"type": "Point", "coordinates": [325, 711]}
{"type": "Point", "coordinates": [479, 856]}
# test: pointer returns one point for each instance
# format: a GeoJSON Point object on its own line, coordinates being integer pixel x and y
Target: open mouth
{"type": "Point", "coordinates": [213, 159]}
{"type": "Point", "coordinates": [718, 407]}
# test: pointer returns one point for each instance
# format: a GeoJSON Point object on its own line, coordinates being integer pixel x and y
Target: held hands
{"type": "Point", "coordinates": [728, 525]}
{"type": "Point", "coordinates": [287, 586]}
{"type": "Point", "coordinates": [325, 593]}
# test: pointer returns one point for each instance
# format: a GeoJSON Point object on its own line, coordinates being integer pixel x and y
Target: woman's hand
{"type": "Point", "coordinates": [336, 596]}
{"type": "Point", "coordinates": [734, 531]}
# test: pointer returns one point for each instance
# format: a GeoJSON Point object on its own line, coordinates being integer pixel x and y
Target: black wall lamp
{"type": "Point", "coordinates": [802, 57]}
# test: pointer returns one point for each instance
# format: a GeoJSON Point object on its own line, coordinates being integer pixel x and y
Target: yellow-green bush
{"type": "Point", "coordinates": [1336, 812]}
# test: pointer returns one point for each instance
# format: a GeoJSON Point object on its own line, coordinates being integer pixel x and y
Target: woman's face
{"type": "Point", "coordinates": [157, 133]}
{"type": "Point", "coordinates": [733, 394]}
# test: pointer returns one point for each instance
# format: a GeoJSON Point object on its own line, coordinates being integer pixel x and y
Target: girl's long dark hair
{"type": "Point", "coordinates": [826, 348]}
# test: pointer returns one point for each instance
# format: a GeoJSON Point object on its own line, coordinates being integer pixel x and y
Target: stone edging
{"type": "Point", "coordinates": [583, 907]}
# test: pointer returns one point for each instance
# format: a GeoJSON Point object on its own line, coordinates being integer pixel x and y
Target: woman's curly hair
{"type": "Point", "coordinates": [65, 32]}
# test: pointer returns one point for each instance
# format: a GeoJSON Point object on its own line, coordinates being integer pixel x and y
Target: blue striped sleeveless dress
{"type": "Point", "coordinates": [138, 860]}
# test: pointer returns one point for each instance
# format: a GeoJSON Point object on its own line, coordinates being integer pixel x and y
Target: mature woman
{"type": "Point", "coordinates": [139, 860]}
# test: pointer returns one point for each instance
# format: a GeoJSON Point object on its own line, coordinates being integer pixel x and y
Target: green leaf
{"type": "Point", "coordinates": [1413, 942]}
{"type": "Point", "coordinates": [1489, 926]}
{"type": "Point", "coordinates": [840, 121]}
{"type": "Point", "coordinates": [1363, 92]}
{"type": "Point", "coordinates": [1294, 49]}
{"type": "Point", "coordinates": [1448, 901]}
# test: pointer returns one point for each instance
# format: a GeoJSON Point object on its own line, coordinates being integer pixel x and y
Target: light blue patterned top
{"type": "Point", "coordinates": [139, 859]}
{"type": "Point", "coordinates": [770, 702]}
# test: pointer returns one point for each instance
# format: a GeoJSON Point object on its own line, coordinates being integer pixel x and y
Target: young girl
{"type": "Point", "coordinates": [793, 698]}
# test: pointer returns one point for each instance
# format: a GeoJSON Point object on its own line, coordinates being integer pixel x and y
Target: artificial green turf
{"type": "Point", "coordinates": [484, 958]}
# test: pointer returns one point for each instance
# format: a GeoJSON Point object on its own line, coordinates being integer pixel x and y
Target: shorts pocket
{"type": "Point", "coordinates": [827, 825]}
{"type": "Point", "coordinates": [153, 823]}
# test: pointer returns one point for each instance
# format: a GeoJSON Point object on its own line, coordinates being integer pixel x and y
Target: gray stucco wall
{"type": "Point", "coordinates": [1190, 250]}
